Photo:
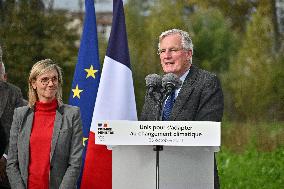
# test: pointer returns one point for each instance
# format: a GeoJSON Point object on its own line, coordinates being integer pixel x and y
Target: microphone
{"type": "Point", "coordinates": [170, 82]}
{"type": "Point", "coordinates": [153, 82]}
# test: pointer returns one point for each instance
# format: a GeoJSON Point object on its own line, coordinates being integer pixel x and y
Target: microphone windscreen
{"type": "Point", "coordinates": [153, 80]}
{"type": "Point", "coordinates": [172, 79]}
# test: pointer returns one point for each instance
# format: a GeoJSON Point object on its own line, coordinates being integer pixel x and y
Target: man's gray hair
{"type": "Point", "coordinates": [186, 41]}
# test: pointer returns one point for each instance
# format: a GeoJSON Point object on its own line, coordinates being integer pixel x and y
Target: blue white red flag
{"type": "Point", "coordinates": [87, 74]}
{"type": "Point", "coordinates": [115, 101]}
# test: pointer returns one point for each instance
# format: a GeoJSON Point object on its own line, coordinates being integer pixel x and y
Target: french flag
{"type": "Point", "coordinates": [115, 101]}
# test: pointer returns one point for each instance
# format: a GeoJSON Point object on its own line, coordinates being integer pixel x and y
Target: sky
{"type": "Point", "coordinates": [102, 5]}
{"type": "Point", "coordinates": [68, 4]}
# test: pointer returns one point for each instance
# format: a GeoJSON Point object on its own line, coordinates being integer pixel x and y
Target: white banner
{"type": "Point", "coordinates": [168, 133]}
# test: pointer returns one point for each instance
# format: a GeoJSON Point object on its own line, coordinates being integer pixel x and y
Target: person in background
{"type": "Point", "coordinates": [200, 97]}
{"type": "Point", "coordinates": [10, 98]}
{"type": "Point", "coordinates": [45, 149]}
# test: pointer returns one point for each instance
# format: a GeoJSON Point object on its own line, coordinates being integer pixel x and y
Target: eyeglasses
{"type": "Point", "coordinates": [170, 50]}
{"type": "Point", "coordinates": [46, 80]}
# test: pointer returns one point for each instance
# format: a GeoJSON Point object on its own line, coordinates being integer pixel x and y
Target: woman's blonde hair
{"type": "Point", "coordinates": [39, 68]}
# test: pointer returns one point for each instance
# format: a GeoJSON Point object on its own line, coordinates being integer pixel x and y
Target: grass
{"type": "Point", "coordinates": [252, 156]}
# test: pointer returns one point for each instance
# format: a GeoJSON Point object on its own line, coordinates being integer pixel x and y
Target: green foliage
{"type": "Point", "coordinates": [102, 43]}
{"type": "Point", "coordinates": [277, 93]}
{"type": "Point", "coordinates": [252, 169]}
{"type": "Point", "coordinates": [237, 11]}
{"type": "Point", "coordinates": [251, 156]}
{"type": "Point", "coordinates": [29, 34]}
{"type": "Point", "coordinates": [250, 77]}
{"type": "Point", "coordinates": [214, 42]}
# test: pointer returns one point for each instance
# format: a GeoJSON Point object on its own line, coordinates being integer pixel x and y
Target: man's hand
{"type": "Point", "coordinates": [3, 175]}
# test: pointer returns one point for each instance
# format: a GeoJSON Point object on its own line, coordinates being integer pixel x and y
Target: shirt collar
{"type": "Point", "coordinates": [182, 78]}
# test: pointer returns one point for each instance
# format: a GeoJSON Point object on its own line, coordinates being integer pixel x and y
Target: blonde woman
{"type": "Point", "coordinates": [45, 145]}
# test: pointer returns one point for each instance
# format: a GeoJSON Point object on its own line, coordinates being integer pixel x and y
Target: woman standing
{"type": "Point", "coordinates": [45, 146]}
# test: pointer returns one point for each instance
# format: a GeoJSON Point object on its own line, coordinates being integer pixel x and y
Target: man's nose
{"type": "Point", "coordinates": [168, 54]}
{"type": "Point", "coordinates": [50, 83]}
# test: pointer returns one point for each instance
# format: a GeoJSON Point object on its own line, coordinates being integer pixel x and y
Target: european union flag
{"type": "Point", "coordinates": [87, 73]}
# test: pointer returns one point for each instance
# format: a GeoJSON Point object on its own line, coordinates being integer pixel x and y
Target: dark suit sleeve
{"type": "Point", "coordinates": [149, 110]}
{"type": "Point", "coordinates": [2, 140]}
{"type": "Point", "coordinates": [13, 170]}
{"type": "Point", "coordinates": [211, 101]}
{"type": "Point", "coordinates": [143, 116]}
{"type": "Point", "coordinates": [19, 99]}
{"type": "Point", "coordinates": [75, 156]}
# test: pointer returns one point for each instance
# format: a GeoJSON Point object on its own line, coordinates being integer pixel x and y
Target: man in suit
{"type": "Point", "coordinates": [11, 98]}
{"type": "Point", "coordinates": [200, 96]}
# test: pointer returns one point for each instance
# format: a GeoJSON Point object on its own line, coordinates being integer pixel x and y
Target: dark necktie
{"type": "Point", "coordinates": [168, 106]}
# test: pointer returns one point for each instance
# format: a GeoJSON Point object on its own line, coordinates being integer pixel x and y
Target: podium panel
{"type": "Point", "coordinates": [133, 167]}
{"type": "Point", "coordinates": [186, 168]}
{"type": "Point", "coordinates": [180, 167]}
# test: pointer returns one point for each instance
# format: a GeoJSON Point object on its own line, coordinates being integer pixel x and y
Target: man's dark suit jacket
{"type": "Point", "coordinates": [3, 142]}
{"type": "Point", "coordinates": [200, 99]}
{"type": "Point", "coordinates": [10, 98]}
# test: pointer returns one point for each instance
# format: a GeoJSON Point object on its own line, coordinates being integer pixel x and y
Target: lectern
{"type": "Point", "coordinates": [180, 167]}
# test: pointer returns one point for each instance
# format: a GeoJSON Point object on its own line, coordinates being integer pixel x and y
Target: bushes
{"type": "Point", "coordinates": [251, 156]}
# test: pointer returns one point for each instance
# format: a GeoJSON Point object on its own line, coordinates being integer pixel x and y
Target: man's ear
{"type": "Point", "coordinates": [189, 54]}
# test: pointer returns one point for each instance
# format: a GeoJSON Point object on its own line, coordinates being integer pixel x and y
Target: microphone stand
{"type": "Point", "coordinates": [159, 148]}
{"type": "Point", "coordinates": [159, 89]}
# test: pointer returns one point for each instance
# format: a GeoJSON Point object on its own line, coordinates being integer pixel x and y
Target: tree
{"type": "Point", "coordinates": [237, 11]}
{"type": "Point", "coordinates": [215, 43]}
{"type": "Point", "coordinates": [250, 77]}
{"type": "Point", "coordinates": [29, 33]}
